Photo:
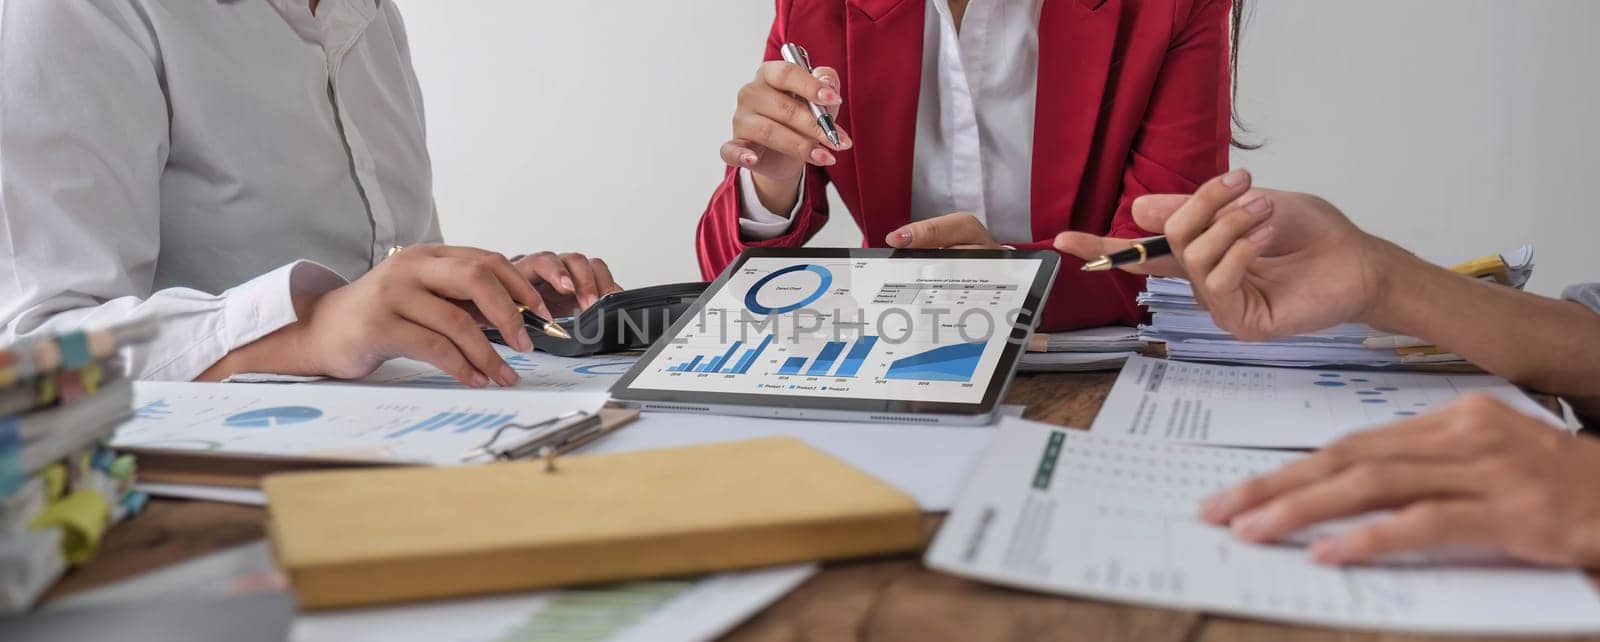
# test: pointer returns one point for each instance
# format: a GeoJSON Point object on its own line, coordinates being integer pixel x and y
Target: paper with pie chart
{"type": "Point", "coordinates": [903, 329]}
{"type": "Point", "coordinates": [1226, 405]}
{"type": "Point", "coordinates": [343, 422]}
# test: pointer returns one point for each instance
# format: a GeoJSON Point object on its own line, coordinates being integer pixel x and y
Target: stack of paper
{"type": "Point", "coordinates": [1102, 348]}
{"type": "Point", "coordinates": [1188, 332]}
{"type": "Point", "coordinates": [59, 487]}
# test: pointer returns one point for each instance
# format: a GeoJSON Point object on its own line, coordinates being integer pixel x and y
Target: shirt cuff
{"type": "Point", "coordinates": [1587, 294]}
{"type": "Point", "coordinates": [756, 222]}
{"type": "Point", "coordinates": [263, 305]}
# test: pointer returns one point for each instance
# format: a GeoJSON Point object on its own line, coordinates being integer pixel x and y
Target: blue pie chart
{"type": "Point", "coordinates": [752, 299]}
{"type": "Point", "coordinates": [605, 369]}
{"type": "Point", "coordinates": [275, 416]}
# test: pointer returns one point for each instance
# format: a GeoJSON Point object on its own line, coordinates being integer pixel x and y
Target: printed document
{"type": "Point", "coordinates": [1064, 511]}
{"type": "Point", "coordinates": [1227, 405]}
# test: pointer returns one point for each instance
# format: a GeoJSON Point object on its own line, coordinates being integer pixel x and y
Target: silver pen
{"type": "Point", "coordinates": [796, 55]}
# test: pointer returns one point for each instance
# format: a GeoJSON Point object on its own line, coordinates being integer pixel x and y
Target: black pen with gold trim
{"type": "Point", "coordinates": [1142, 251]}
{"type": "Point", "coordinates": [548, 327]}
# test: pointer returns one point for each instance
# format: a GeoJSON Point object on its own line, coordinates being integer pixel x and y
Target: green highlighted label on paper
{"type": "Point", "coordinates": [1047, 462]}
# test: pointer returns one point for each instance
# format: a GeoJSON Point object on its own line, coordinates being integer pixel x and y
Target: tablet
{"type": "Point", "coordinates": [921, 336]}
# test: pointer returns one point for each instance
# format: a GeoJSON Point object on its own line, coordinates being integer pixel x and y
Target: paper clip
{"type": "Point", "coordinates": [560, 434]}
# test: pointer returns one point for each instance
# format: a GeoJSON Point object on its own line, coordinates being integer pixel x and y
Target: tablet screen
{"type": "Point", "coordinates": [848, 327]}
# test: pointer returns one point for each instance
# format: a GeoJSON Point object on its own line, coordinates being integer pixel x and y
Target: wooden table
{"type": "Point", "coordinates": [879, 599]}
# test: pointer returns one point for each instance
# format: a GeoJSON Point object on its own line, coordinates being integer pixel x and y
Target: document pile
{"type": "Point", "coordinates": [1188, 332]}
{"type": "Point", "coordinates": [1081, 350]}
{"type": "Point", "coordinates": [60, 487]}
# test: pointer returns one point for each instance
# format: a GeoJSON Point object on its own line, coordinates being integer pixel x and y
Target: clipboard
{"type": "Point", "coordinates": [561, 435]}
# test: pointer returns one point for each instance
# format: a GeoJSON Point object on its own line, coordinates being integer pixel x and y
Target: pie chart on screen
{"type": "Point", "coordinates": [275, 416]}
{"type": "Point", "coordinates": [788, 289]}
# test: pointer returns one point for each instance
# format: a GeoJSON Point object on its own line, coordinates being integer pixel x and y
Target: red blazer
{"type": "Point", "coordinates": [1133, 99]}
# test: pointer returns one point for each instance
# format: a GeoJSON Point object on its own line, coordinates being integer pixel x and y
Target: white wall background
{"type": "Point", "coordinates": [1455, 127]}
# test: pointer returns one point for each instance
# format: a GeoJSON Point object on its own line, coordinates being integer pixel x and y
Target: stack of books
{"type": "Point", "coordinates": [1104, 348]}
{"type": "Point", "coordinates": [1180, 329]}
{"type": "Point", "coordinates": [60, 486]}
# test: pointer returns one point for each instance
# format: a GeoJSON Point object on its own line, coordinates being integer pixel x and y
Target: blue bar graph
{"type": "Point", "coordinates": [750, 356]}
{"type": "Point", "coordinates": [857, 355]}
{"type": "Point", "coordinates": [718, 361]}
{"type": "Point", "coordinates": [485, 422]}
{"type": "Point", "coordinates": [461, 421]}
{"type": "Point", "coordinates": [825, 359]}
{"type": "Point", "coordinates": [792, 366]}
{"type": "Point", "coordinates": [426, 424]}
{"type": "Point", "coordinates": [687, 365]}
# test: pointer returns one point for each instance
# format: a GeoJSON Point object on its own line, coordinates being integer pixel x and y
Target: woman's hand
{"type": "Point", "coordinates": [425, 303]}
{"type": "Point", "coordinates": [1476, 474]}
{"type": "Point", "coordinates": [1265, 263]}
{"type": "Point", "coordinates": [774, 134]}
{"type": "Point", "coordinates": [569, 283]}
{"type": "Point", "coordinates": [956, 231]}
{"type": "Point", "coordinates": [428, 302]}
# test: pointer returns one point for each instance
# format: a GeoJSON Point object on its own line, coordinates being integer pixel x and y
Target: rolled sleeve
{"type": "Point", "coordinates": [197, 329]}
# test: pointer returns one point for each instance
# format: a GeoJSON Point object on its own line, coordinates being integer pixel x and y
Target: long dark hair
{"type": "Point", "coordinates": [1235, 24]}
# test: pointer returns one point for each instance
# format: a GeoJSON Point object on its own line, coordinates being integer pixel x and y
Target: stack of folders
{"type": "Point", "coordinates": [60, 487]}
{"type": "Point", "coordinates": [1081, 350]}
{"type": "Point", "coordinates": [1185, 331]}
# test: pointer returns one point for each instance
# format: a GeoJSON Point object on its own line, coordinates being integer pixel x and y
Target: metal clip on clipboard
{"type": "Point", "coordinates": [558, 434]}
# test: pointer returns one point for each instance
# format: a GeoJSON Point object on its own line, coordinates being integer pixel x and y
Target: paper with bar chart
{"type": "Point", "coordinates": [343, 422]}
{"type": "Point", "coordinates": [539, 371]}
{"type": "Point", "coordinates": [905, 329]}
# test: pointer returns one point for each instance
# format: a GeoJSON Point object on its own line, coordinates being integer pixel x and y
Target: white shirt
{"type": "Point", "coordinates": [974, 136]}
{"type": "Point", "coordinates": [201, 161]}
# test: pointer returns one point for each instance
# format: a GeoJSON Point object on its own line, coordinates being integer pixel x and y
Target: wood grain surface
{"type": "Point", "coordinates": [879, 599]}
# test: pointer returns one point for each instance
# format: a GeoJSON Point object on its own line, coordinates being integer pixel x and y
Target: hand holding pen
{"type": "Point", "coordinates": [1206, 225]}
{"type": "Point", "coordinates": [1266, 263]}
{"type": "Point", "coordinates": [785, 121]}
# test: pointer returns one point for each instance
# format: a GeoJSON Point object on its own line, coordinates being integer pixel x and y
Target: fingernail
{"type": "Point", "coordinates": [524, 342]}
{"type": "Point", "coordinates": [844, 141]}
{"type": "Point", "coordinates": [900, 236]}
{"type": "Point", "coordinates": [828, 96]}
{"type": "Point", "coordinates": [1261, 234]}
{"type": "Point", "coordinates": [566, 283]}
{"type": "Point", "coordinates": [1258, 205]}
{"type": "Point", "coordinates": [508, 377]}
{"type": "Point", "coordinates": [1236, 177]}
{"type": "Point", "coordinates": [477, 380]}
{"type": "Point", "coordinates": [821, 156]}
{"type": "Point", "coordinates": [824, 79]}
{"type": "Point", "coordinates": [1250, 526]}
{"type": "Point", "coordinates": [747, 159]}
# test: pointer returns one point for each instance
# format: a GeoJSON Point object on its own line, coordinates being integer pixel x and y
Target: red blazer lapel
{"type": "Point", "coordinates": [884, 41]}
{"type": "Point", "coordinates": [1076, 40]}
